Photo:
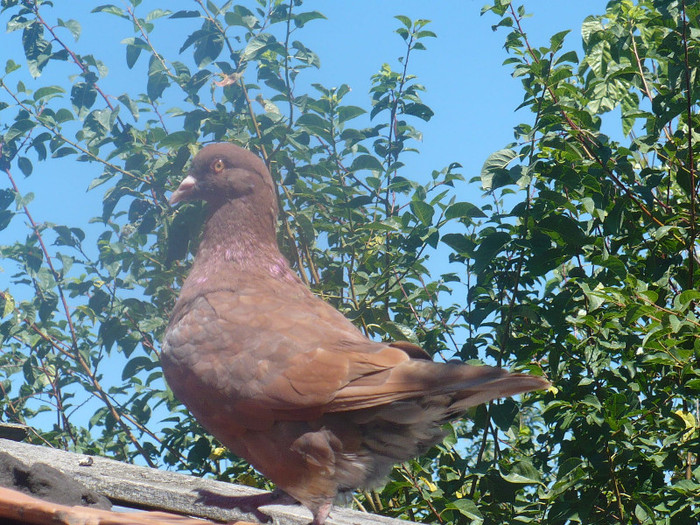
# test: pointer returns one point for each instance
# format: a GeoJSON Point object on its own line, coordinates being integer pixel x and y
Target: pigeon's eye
{"type": "Point", "coordinates": [218, 166]}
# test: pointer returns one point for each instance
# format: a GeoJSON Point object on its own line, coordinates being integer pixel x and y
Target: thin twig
{"type": "Point", "coordinates": [75, 58]}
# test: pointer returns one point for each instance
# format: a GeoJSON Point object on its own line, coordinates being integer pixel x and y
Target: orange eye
{"type": "Point", "coordinates": [218, 166]}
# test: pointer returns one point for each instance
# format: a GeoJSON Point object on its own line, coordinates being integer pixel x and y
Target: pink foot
{"type": "Point", "coordinates": [322, 513]}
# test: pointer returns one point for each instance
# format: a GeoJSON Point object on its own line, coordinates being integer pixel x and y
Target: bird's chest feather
{"type": "Point", "coordinates": [214, 349]}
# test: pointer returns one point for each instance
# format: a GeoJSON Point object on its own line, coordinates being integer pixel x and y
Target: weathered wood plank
{"type": "Point", "coordinates": [34, 511]}
{"type": "Point", "coordinates": [148, 488]}
{"type": "Point", "coordinates": [13, 431]}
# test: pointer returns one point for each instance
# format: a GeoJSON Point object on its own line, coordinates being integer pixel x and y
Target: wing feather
{"type": "Point", "coordinates": [283, 365]}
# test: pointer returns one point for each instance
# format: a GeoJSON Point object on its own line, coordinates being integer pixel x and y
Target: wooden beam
{"type": "Point", "coordinates": [29, 510]}
{"type": "Point", "coordinates": [147, 488]}
{"type": "Point", "coordinates": [13, 431]}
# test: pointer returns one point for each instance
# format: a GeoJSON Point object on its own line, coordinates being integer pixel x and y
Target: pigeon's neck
{"type": "Point", "coordinates": [239, 239]}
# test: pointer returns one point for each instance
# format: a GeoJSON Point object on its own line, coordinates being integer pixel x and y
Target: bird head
{"type": "Point", "coordinates": [223, 172]}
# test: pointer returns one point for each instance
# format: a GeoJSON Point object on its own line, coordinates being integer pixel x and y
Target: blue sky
{"type": "Point", "coordinates": [472, 94]}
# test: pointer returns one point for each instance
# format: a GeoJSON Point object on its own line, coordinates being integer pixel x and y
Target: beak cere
{"type": "Point", "coordinates": [184, 191]}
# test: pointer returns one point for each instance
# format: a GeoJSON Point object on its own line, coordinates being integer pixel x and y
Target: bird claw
{"type": "Point", "coordinates": [248, 504]}
{"type": "Point", "coordinates": [321, 514]}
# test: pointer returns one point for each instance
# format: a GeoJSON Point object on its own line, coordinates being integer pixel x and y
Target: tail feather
{"type": "Point", "coordinates": [505, 385]}
{"type": "Point", "coordinates": [418, 378]}
{"type": "Point", "coordinates": [407, 428]}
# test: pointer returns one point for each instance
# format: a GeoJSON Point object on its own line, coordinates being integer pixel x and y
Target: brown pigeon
{"type": "Point", "coordinates": [282, 378]}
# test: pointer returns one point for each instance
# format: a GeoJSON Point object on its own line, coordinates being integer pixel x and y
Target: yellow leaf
{"type": "Point", "coordinates": [688, 418]}
{"type": "Point", "coordinates": [9, 305]}
{"type": "Point", "coordinates": [217, 453]}
{"type": "Point", "coordinates": [431, 486]}
{"type": "Point", "coordinates": [689, 422]}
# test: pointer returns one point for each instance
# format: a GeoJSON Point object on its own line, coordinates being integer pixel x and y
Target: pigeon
{"type": "Point", "coordinates": [282, 378]}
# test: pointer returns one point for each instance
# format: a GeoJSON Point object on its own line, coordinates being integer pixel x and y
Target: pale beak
{"type": "Point", "coordinates": [184, 191]}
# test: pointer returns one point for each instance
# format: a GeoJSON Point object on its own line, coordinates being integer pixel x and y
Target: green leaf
{"type": "Point", "coordinates": [157, 80]}
{"type": "Point", "coordinates": [9, 301]}
{"type": "Point", "coordinates": [73, 26]}
{"type": "Point", "coordinates": [201, 450]}
{"type": "Point", "coordinates": [488, 248]}
{"type": "Point", "coordinates": [5, 218]}
{"type": "Point", "coordinates": [18, 22]}
{"type": "Point", "coordinates": [504, 413]}
{"type": "Point", "coordinates": [64, 115]}
{"type": "Point", "coordinates": [241, 16]}
{"type": "Point", "coordinates": [110, 9]}
{"type": "Point", "coordinates": [522, 472]}
{"type": "Point", "coordinates": [568, 57]}
{"type": "Point", "coordinates": [685, 298]}
{"type": "Point", "coordinates": [19, 128]}
{"type": "Point", "coordinates": [7, 197]}
{"type": "Point", "coordinates": [10, 66]}
{"type": "Point", "coordinates": [37, 49]}
{"type": "Point", "coordinates": [301, 19]}
{"type": "Point", "coordinates": [25, 165]}
{"type": "Point", "coordinates": [400, 332]}
{"type": "Point", "coordinates": [591, 25]}
{"type": "Point", "coordinates": [136, 365]}
{"type": "Point", "coordinates": [346, 113]}
{"type": "Point", "coordinates": [423, 211]}
{"type": "Point", "coordinates": [84, 94]}
{"type": "Point", "coordinates": [306, 229]}
{"type": "Point", "coordinates": [130, 104]}
{"type": "Point", "coordinates": [315, 125]}
{"type": "Point", "coordinates": [557, 39]}
{"type": "Point", "coordinates": [495, 165]}
{"type": "Point", "coordinates": [425, 34]}
{"type": "Point", "coordinates": [458, 242]}
{"type": "Point", "coordinates": [48, 92]}
{"type": "Point", "coordinates": [421, 111]}
{"type": "Point", "coordinates": [404, 20]}
{"type": "Point", "coordinates": [157, 13]}
{"type": "Point", "coordinates": [257, 46]}
{"type": "Point", "coordinates": [134, 46]}
{"type": "Point", "coordinates": [185, 14]}
{"type": "Point", "coordinates": [463, 209]}
{"type": "Point", "coordinates": [465, 507]}
{"type": "Point", "coordinates": [208, 45]}
{"type": "Point", "coordinates": [366, 162]}
{"type": "Point", "coordinates": [177, 139]}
